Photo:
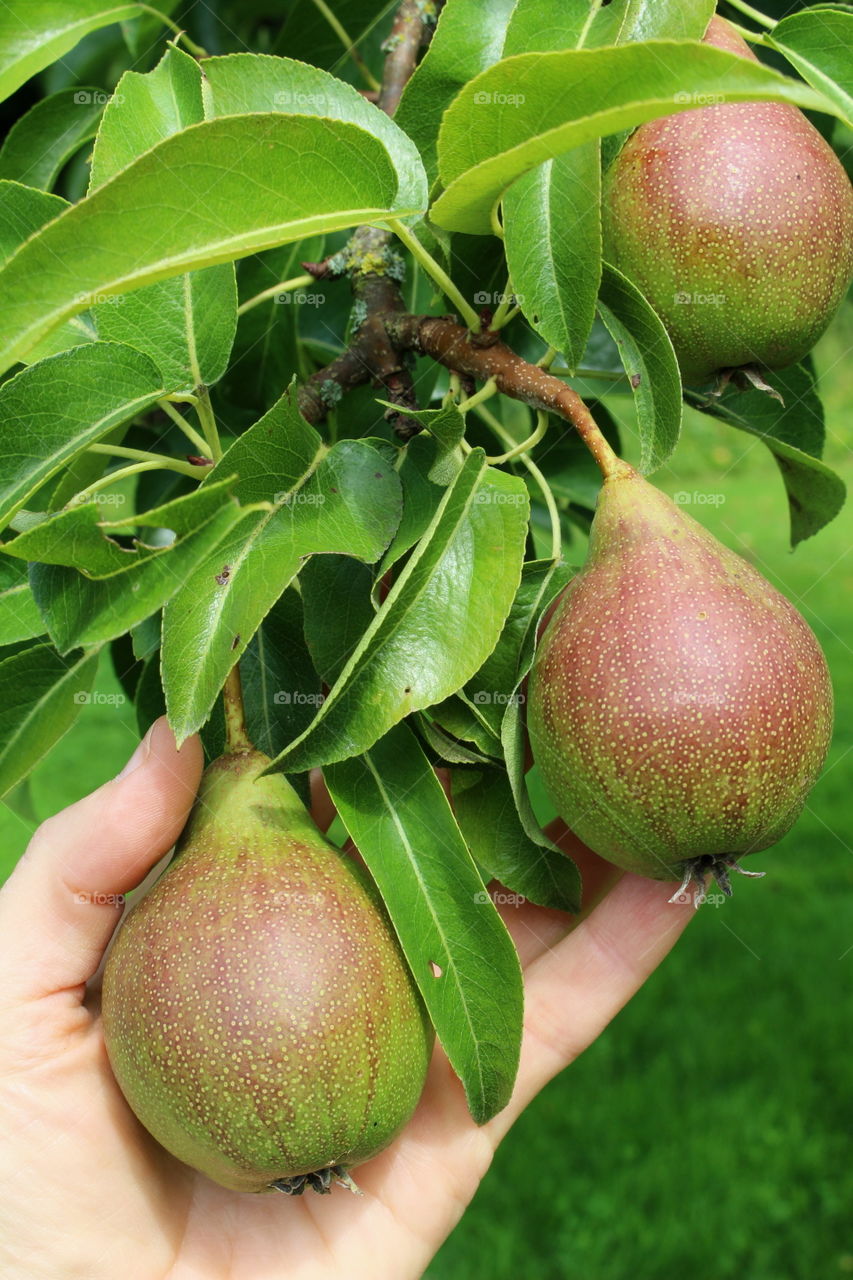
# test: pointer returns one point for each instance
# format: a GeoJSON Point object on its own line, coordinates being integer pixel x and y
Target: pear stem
{"type": "Point", "coordinates": [587, 428]}
{"type": "Point", "coordinates": [236, 733]}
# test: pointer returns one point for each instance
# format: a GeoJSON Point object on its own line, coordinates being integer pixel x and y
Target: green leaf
{"type": "Point", "coordinates": [244, 83]}
{"type": "Point", "coordinates": [421, 497]}
{"type": "Point", "coordinates": [449, 748]}
{"type": "Point", "coordinates": [552, 228]}
{"type": "Point", "coordinates": [532, 107]}
{"type": "Point", "coordinates": [650, 363]}
{"type": "Point", "coordinates": [486, 813]}
{"type": "Point", "coordinates": [793, 432]}
{"type": "Point", "coordinates": [541, 26]}
{"type": "Point", "coordinates": [38, 32]}
{"type": "Point", "coordinates": [344, 500]}
{"type": "Point", "coordinates": [141, 33]}
{"type": "Point", "coordinates": [818, 43]}
{"type": "Point", "coordinates": [144, 110]}
{"type": "Point", "coordinates": [495, 685]}
{"type": "Point", "coordinates": [468, 39]}
{"type": "Point", "coordinates": [556, 274]}
{"type": "Point", "coordinates": [472, 35]}
{"type": "Point", "coordinates": [440, 619]}
{"type": "Point", "coordinates": [44, 694]}
{"type": "Point", "coordinates": [186, 324]}
{"type": "Point", "coordinates": [23, 211]}
{"type": "Point", "coordinates": [256, 181]}
{"type": "Point", "coordinates": [266, 349]}
{"type": "Point", "coordinates": [447, 427]}
{"type": "Point", "coordinates": [52, 410]}
{"type": "Point", "coordinates": [338, 610]}
{"type": "Point", "coordinates": [457, 947]}
{"type": "Point", "coordinates": [19, 615]}
{"type": "Point", "coordinates": [46, 136]}
{"type": "Point", "coordinates": [459, 716]}
{"type": "Point", "coordinates": [281, 689]}
{"type": "Point", "coordinates": [83, 538]}
{"type": "Point", "coordinates": [543, 580]}
{"type": "Point", "coordinates": [80, 610]}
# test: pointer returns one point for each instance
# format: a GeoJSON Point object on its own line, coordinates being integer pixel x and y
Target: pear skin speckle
{"type": "Point", "coordinates": [736, 222]}
{"type": "Point", "coordinates": [679, 707]}
{"type": "Point", "coordinates": [258, 1012]}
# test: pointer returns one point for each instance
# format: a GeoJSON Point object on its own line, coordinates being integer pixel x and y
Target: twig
{"type": "Point", "coordinates": [413, 23]}
{"type": "Point", "coordinates": [453, 346]}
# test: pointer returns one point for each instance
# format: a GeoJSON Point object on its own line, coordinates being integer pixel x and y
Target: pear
{"type": "Point", "coordinates": [258, 1013]}
{"type": "Point", "coordinates": [736, 222]}
{"type": "Point", "coordinates": [679, 707]}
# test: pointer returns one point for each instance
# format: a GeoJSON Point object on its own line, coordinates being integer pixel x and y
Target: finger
{"type": "Point", "coordinates": [536, 929]}
{"type": "Point", "coordinates": [60, 906]}
{"type": "Point", "coordinates": [573, 990]}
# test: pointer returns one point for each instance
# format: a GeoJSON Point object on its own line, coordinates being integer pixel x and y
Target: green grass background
{"type": "Point", "coordinates": [707, 1134]}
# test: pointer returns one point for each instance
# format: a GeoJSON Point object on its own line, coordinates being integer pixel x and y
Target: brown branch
{"type": "Point", "coordinates": [386, 335]}
{"type": "Point", "coordinates": [375, 270]}
{"type": "Point", "coordinates": [412, 26]}
{"type": "Point", "coordinates": [324, 388]}
{"type": "Point", "coordinates": [452, 345]}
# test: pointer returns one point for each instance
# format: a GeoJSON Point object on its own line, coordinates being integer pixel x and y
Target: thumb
{"type": "Point", "coordinates": [61, 904]}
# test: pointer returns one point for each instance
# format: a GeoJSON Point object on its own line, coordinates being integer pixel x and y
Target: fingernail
{"type": "Point", "coordinates": [139, 756]}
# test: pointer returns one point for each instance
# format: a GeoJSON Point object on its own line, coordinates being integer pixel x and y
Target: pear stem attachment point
{"type": "Point", "coordinates": [236, 732]}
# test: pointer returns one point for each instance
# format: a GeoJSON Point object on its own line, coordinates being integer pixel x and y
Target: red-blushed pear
{"type": "Point", "coordinates": [679, 707]}
{"type": "Point", "coordinates": [736, 222]}
{"type": "Point", "coordinates": [258, 1012]}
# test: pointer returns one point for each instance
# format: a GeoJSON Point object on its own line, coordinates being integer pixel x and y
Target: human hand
{"type": "Point", "coordinates": [87, 1192]}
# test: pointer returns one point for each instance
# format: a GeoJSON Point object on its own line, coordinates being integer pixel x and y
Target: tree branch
{"type": "Point", "coordinates": [386, 335]}
{"type": "Point", "coordinates": [482, 357]}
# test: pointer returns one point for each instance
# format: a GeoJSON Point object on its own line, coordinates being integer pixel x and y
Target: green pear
{"type": "Point", "coordinates": [736, 222]}
{"type": "Point", "coordinates": [258, 1013]}
{"type": "Point", "coordinates": [679, 707]}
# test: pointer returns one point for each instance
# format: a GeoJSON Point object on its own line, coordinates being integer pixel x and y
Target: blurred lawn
{"type": "Point", "coordinates": [707, 1133]}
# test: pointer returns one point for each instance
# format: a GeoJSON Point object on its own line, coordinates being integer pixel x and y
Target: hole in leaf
{"type": "Point", "coordinates": [436, 969]}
